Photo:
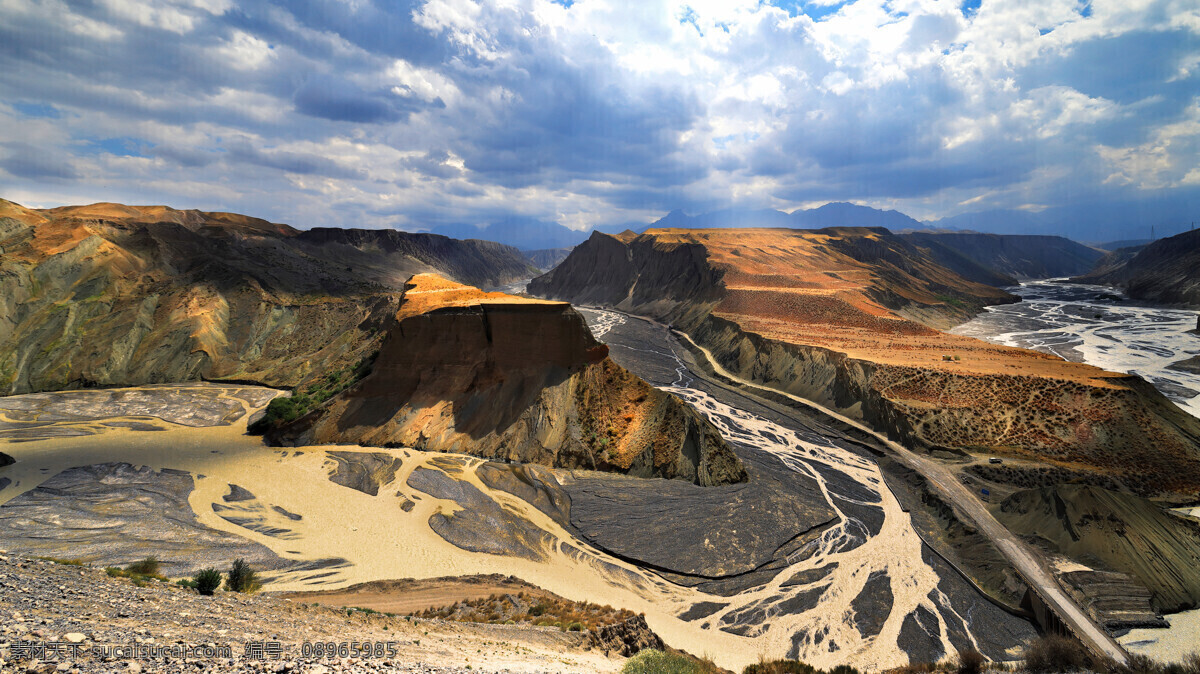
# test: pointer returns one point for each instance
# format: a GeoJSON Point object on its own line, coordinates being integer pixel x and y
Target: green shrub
{"type": "Point", "coordinates": [146, 567]}
{"type": "Point", "coordinates": [186, 582]}
{"type": "Point", "coordinates": [241, 577]}
{"type": "Point", "coordinates": [575, 627]}
{"type": "Point", "coordinates": [650, 661]}
{"type": "Point", "coordinates": [282, 410]}
{"type": "Point", "coordinates": [1052, 653]}
{"type": "Point", "coordinates": [207, 581]}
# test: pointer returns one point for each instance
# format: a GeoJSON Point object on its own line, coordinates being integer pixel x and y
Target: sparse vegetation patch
{"type": "Point", "coordinates": [651, 661]}
{"type": "Point", "coordinates": [305, 398]}
{"type": "Point", "coordinates": [528, 609]}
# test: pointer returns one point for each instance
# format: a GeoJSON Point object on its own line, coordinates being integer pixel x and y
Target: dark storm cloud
{"type": "Point", "coordinates": [22, 160]}
{"type": "Point", "coordinates": [336, 99]}
{"type": "Point", "coordinates": [1123, 68]}
{"type": "Point", "coordinates": [241, 152]}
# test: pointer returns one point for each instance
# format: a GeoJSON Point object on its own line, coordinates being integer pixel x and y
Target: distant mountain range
{"type": "Point", "coordinates": [1121, 223]}
{"type": "Point", "coordinates": [1126, 243]}
{"type": "Point", "coordinates": [1104, 226]}
{"type": "Point", "coordinates": [528, 234]}
{"type": "Point", "coordinates": [523, 233]}
{"type": "Point", "coordinates": [531, 234]}
{"type": "Point", "coordinates": [838, 214]}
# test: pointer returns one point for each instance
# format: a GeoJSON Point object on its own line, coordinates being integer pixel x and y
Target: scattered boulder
{"type": "Point", "coordinates": [626, 638]}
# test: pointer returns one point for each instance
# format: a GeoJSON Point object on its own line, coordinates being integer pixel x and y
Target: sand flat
{"type": "Point", "coordinates": [381, 541]}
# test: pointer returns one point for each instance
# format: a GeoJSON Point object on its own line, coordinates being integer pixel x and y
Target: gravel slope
{"type": "Point", "coordinates": [48, 603]}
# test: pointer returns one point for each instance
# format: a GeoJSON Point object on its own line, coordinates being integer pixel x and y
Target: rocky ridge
{"type": "Point", "coordinates": [514, 379]}
{"type": "Point", "coordinates": [1005, 258]}
{"type": "Point", "coordinates": [1115, 532]}
{"type": "Point", "coordinates": [1163, 272]}
{"type": "Point", "coordinates": [111, 295]}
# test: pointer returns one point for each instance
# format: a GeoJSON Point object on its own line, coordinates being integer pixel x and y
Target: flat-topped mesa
{"type": "Point", "coordinates": [503, 377]}
{"type": "Point", "coordinates": [852, 318]}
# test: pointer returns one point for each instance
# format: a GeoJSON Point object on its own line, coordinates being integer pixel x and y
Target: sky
{"type": "Point", "coordinates": [368, 113]}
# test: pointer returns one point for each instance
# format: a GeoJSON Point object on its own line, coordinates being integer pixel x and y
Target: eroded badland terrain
{"type": "Point", "coordinates": [461, 455]}
{"type": "Point", "coordinates": [107, 294]}
{"type": "Point", "coordinates": [849, 318]}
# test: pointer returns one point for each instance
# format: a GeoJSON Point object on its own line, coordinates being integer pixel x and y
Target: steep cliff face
{"type": "Point", "coordinates": [1123, 532]}
{"type": "Point", "coordinates": [1163, 272]}
{"type": "Point", "coordinates": [821, 314]}
{"type": "Point", "coordinates": [546, 259]}
{"type": "Point", "coordinates": [834, 272]}
{"type": "Point", "coordinates": [119, 295]}
{"type": "Point", "coordinates": [390, 257]}
{"type": "Point", "coordinates": [1006, 256]}
{"type": "Point", "coordinates": [503, 377]}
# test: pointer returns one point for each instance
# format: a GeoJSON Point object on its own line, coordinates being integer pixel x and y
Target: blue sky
{"type": "Point", "coordinates": [376, 114]}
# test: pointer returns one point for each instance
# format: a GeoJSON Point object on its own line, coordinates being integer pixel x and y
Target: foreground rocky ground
{"type": "Point", "coordinates": [78, 619]}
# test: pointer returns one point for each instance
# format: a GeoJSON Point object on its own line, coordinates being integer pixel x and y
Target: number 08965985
{"type": "Point", "coordinates": [348, 649]}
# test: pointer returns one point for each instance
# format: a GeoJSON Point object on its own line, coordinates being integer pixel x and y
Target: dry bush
{"type": "Point", "coordinates": [1141, 664]}
{"type": "Point", "coordinates": [765, 666]}
{"type": "Point", "coordinates": [145, 567]}
{"type": "Point", "coordinates": [970, 661]}
{"type": "Point", "coordinates": [914, 668]}
{"type": "Point", "coordinates": [1053, 653]}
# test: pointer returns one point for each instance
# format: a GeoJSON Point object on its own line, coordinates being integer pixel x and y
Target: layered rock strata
{"type": "Point", "coordinates": [113, 295]}
{"type": "Point", "coordinates": [515, 379]}
{"type": "Point", "coordinates": [1163, 272]}
{"type": "Point", "coordinates": [849, 318]}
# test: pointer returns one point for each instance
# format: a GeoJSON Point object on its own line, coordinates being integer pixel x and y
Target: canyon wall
{"type": "Point", "coordinates": [513, 379]}
{"type": "Point", "coordinates": [1006, 258]}
{"type": "Point", "coordinates": [1163, 272]}
{"type": "Point", "coordinates": [826, 319]}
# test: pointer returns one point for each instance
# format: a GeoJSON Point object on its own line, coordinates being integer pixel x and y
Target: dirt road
{"type": "Point", "coordinates": [1025, 560]}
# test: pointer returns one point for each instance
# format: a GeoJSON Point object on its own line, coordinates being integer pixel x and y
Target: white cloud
{"type": "Point", "coordinates": [60, 14]}
{"type": "Point", "coordinates": [245, 52]}
{"type": "Point", "coordinates": [426, 84]}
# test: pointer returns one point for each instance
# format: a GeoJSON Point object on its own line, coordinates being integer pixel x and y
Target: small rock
{"type": "Point", "coordinates": [74, 637]}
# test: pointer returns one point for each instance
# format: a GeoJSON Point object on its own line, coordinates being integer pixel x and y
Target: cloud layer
{"type": "Point", "coordinates": [588, 113]}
